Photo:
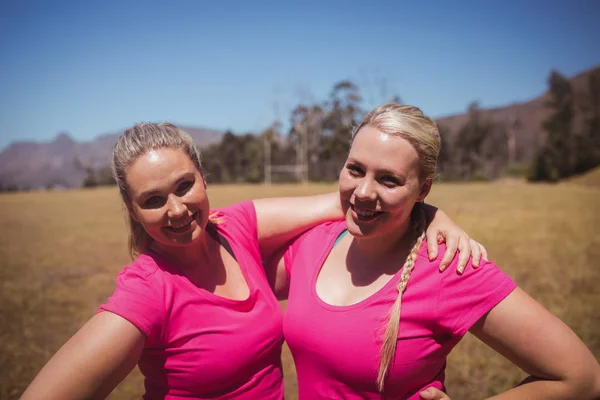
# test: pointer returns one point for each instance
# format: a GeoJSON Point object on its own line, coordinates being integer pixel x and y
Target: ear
{"type": "Point", "coordinates": [425, 188]}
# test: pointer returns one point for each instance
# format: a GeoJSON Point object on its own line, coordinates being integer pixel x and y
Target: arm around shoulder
{"type": "Point", "coordinates": [280, 219]}
{"type": "Point", "coordinates": [92, 363]}
{"type": "Point", "coordinates": [538, 342]}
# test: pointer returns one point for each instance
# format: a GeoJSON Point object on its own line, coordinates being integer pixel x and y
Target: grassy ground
{"type": "Point", "coordinates": [590, 178]}
{"type": "Point", "coordinates": [60, 253]}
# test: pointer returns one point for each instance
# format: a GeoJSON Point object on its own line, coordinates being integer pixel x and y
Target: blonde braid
{"type": "Point", "coordinates": [388, 348]}
{"type": "Point", "coordinates": [409, 123]}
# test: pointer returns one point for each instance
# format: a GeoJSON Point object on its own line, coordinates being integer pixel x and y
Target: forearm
{"type": "Point", "coordinates": [534, 388]}
{"type": "Point", "coordinates": [91, 363]}
{"type": "Point", "coordinates": [543, 346]}
{"type": "Point", "coordinates": [281, 219]}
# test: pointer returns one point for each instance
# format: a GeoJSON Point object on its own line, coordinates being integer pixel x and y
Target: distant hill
{"type": "Point", "coordinates": [526, 118]}
{"type": "Point", "coordinates": [62, 162]}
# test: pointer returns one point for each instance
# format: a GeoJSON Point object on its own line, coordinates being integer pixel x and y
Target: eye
{"type": "Point", "coordinates": [390, 181]}
{"type": "Point", "coordinates": [354, 170]}
{"type": "Point", "coordinates": [154, 202]}
{"type": "Point", "coordinates": [184, 187]}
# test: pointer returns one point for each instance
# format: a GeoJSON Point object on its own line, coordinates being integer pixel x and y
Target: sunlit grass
{"type": "Point", "coordinates": [60, 252]}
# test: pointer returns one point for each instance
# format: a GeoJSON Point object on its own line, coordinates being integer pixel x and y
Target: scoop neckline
{"type": "Point", "coordinates": [252, 291]}
{"type": "Point", "coordinates": [367, 300]}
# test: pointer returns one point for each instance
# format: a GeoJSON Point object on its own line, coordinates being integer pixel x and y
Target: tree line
{"type": "Point", "coordinates": [573, 143]}
{"type": "Point", "coordinates": [316, 143]}
{"type": "Point", "coordinates": [319, 134]}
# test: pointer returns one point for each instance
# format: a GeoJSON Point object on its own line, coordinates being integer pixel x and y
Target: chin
{"type": "Point", "coordinates": [185, 240]}
{"type": "Point", "coordinates": [355, 228]}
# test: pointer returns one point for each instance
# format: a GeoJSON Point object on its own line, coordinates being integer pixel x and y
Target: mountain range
{"type": "Point", "coordinates": [63, 161]}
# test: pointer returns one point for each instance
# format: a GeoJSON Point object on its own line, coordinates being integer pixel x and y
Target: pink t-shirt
{"type": "Point", "coordinates": [200, 345]}
{"type": "Point", "coordinates": [336, 349]}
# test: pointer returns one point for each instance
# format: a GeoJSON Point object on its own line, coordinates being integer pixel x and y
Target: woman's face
{"type": "Point", "coordinates": [168, 196]}
{"type": "Point", "coordinates": [379, 184]}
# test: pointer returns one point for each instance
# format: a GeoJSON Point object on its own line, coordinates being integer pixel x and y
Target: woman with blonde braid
{"type": "Point", "coordinates": [194, 309]}
{"type": "Point", "coordinates": [366, 320]}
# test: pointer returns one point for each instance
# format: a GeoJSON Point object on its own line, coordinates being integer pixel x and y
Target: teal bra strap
{"type": "Point", "coordinates": [340, 236]}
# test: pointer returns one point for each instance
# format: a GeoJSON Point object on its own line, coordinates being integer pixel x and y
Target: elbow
{"type": "Point", "coordinates": [587, 385]}
{"type": "Point", "coordinates": [594, 382]}
{"type": "Point", "coordinates": [595, 392]}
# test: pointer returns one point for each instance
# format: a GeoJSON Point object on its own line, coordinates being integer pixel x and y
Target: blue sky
{"type": "Point", "coordinates": [90, 68]}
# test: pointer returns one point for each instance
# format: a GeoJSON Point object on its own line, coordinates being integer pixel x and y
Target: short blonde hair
{"type": "Point", "coordinates": [135, 142]}
{"type": "Point", "coordinates": [409, 123]}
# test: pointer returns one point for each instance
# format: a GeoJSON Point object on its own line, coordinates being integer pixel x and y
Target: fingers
{"type": "Point", "coordinates": [451, 246]}
{"type": "Point", "coordinates": [475, 253]}
{"type": "Point", "coordinates": [464, 246]}
{"type": "Point", "coordinates": [433, 394]}
{"type": "Point", "coordinates": [432, 244]}
{"type": "Point", "coordinates": [483, 252]}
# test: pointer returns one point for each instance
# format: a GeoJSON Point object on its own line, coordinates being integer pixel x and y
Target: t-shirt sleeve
{"type": "Point", "coordinates": [137, 299]}
{"type": "Point", "coordinates": [299, 244]}
{"type": "Point", "coordinates": [288, 257]}
{"type": "Point", "coordinates": [464, 299]}
{"type": "Point", "coordinates": [243, 215]}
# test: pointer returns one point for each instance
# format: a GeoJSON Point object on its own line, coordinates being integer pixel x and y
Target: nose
{"type": "Point", "coordinates": [176, 207]}
{"type": "Point", "coordinates": [365, 190]}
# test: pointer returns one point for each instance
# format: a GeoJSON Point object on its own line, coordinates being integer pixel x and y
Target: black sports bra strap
{"type": "Point", "coordinates": [214, 233]}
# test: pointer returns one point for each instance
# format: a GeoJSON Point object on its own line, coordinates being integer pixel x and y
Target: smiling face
{"type": "Point", "coordinates": [168, 197]}
{"type": "Point", "coordinates": [380, 183]}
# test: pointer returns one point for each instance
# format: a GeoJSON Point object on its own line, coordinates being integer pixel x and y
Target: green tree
{"type": "Point", "coordinates": [104, 177]}
{"type": "Point", "coordinates": [305, 136]}
{"type": "Point", "coordinates": [251, 162]}
{"type": "Point", "coordinates": [342, 113]}
{"type": "Point", "coordinates": [90, 178]}
{"type": "Point", "coordinates": [447, 160]}
{"type": "Point", "coordinates": [212, 165]}
{"type": "Point", "coordinates": [556, 160]}
{"type": "Point", "coordinates": [469, 145]}
{"type": "Point", "coordinates": [236, 159]}
{"type": "Point", "coordinates": [587, 144]}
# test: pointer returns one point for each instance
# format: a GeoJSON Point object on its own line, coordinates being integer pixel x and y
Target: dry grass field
{"type": "Point", "coordinates": [60, 252]}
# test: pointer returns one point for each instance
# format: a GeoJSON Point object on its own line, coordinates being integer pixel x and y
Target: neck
{"type": "Point", "coordinates": [186, 257]}
{"type": "Point", "coordinates": [389, 244]}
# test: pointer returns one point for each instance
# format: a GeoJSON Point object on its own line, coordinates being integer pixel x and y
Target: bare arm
{"type": "Point", "coordinates": [281, 219]}
{"type": "Point", "coordinates": [95, 360]}
{"type": "Point", "coordinates": [538, 342]}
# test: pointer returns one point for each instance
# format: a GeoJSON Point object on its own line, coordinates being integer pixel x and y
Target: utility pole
{"type": "Point", "coordinates": [267, 150]}
{"type": "Point", "coordinates": [302, 151]}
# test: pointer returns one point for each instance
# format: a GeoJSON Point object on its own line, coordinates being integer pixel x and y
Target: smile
{"type": "Point", "coordinates": [365, 215]}
{"type": "Point", "coordinates": [182, 226]}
